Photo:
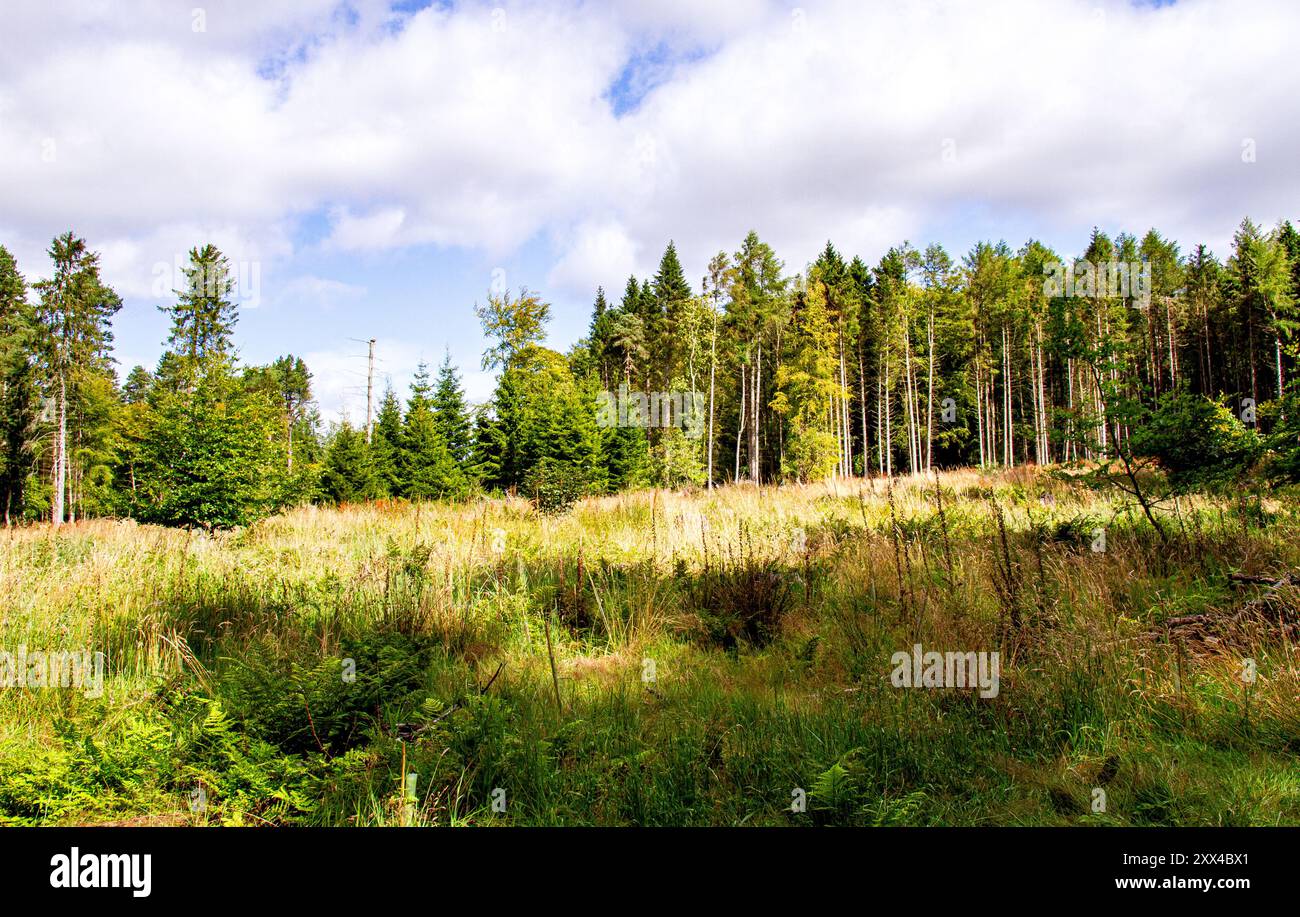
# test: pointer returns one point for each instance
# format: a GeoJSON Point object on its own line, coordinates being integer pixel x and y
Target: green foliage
{"type": "Point", "coordinates": [19, 397]}
{"type": "Point", "coordinates": [1284, 441]}
{"type": "Point", "coordinates": [513, 325]}
{"type": "Point", "coordinates": [540, 413]}
{"type": "Point", "coordinates": [743, 600]}
{"type": "Point", "coordinates": [386, 447]}
{"type": "Point", "coordinates": [554, 486]}
{"type": "Point", "coordinates": [806, 384]}
{"type": "Point", "coordinates": [213, 457]}
{"type": "Point", "coordinates": [1195, 439]}
{"type": "Point", "coordinates": [203, 317]}
{"type": "Point", "coordinates": [626, 453]}
{"type": "Point", "coordinates": [450, 413]}
{"type": "Point", "coordinates": [326, 704]}
{"type": "Point", "coordinates": [184, 748]}
{"type": "Point", "coordinates": [677, 459]}
{"type": "Point", "coordinates": [350, 474]}
{"type": "Point", "coordinates": [427, 468]}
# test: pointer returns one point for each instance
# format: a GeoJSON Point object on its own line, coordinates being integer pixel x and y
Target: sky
{"type": "Point", "coordinates": [372, 169]}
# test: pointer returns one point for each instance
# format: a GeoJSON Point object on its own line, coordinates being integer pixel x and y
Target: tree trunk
{"type": "Point", "coordinates": [713, 367]}
{"type": "Point", "coordinates": [740, 427]}
{"type": "Point", "coordinates": [61, 455]}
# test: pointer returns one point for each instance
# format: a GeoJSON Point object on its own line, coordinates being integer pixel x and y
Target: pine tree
{"type": "Point", "coordinates": [18, 394]}
{"type": "Point", "coordinates": [139, 382]}
{"type": "Point", "coordinates": [72, 347]}
{"type": "Point", "coordinates": [451, 414]}
{"type": "Point", "coordinates": [598, 338]}
{"type": "Point", "coordinates": [671, 296]}
{"type": "Point", "coordinates": [386, 446]}
{"type": "Point", "coordinates": [429, 471]}
{"type": "Point", "coordinates": [202, 318]}
{"type": "Point", "coordinates": [350, 475]}
{"type": "Point", "coordinates": [757, 309]}
{"type": "Point", "coordinates": [626, 452]}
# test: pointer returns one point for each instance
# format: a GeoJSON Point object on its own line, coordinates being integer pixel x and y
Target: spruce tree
{"type": "Point", "coordinates": [672, 293]}
{"type": "Point", "coordinates": [387, 444]}
{"type": "Point", "coordinates": [73, 344]}
{"type": "Point", "coordinates": [203, 317]}
{"type": "Point", "coordinates": [18, 394]}
{"type": "Point", "coordinates": [429, 471]}
{"type": "Point", "coordinates": [350, 475]}
{"type": "Point", "coordinates": [451, 414]}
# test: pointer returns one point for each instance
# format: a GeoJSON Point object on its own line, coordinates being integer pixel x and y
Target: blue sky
{"type": "Point", "coordinates": [381, 164]}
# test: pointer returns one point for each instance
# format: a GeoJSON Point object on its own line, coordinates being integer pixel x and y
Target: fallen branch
{"type": "Point", "coordinates": [1270, 609]}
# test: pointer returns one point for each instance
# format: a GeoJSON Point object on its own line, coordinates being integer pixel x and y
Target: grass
{"type": "Point", "coordinates": [719, 658]}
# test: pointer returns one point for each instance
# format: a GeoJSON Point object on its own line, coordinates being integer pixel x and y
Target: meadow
{"type": "Point", "coordinates": [668, 658]}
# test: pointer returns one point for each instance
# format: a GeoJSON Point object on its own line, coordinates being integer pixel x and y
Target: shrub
{"type": "Point", "coordinates": [1195, 439]}
{"type": "Point", "coordinates": [554, 486]}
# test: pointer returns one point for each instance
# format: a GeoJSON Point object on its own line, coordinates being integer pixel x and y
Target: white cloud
{"type": "Point", "coordinates": [596, 253]}
{"type": "Point", "coordinates": [339, 376]}
{"type": "Point", "coordinates": [863, 123]}
{"type": "Point", "coordinates": [317, 292]}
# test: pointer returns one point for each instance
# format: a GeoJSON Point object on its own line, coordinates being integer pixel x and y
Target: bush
{"type": "Point", "coordinates": [745, 600]}
{"type": "Point", "coordinates": [554, 486]}
{"type": "Point", "coordinates": [1284, 441]}
{"type": "Point", "coordinates": [323, 704]}
{"type": "Point", "coordinates": [1196, 439]}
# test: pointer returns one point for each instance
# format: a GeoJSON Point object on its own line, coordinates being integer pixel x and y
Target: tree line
{"type": "Point", "coordinates": [1005, 357]}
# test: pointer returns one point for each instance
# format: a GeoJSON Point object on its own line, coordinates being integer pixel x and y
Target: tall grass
{"type": "Point", "coordinates": [716, 654]}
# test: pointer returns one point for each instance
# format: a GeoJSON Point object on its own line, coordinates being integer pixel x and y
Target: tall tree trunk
{"type": "Point", "coordinates": [929, 394]}
{"type": "Point", "coordinates": [713, 367]}
{"type": "Point", "coordinates": [740, 427]}
{"type": "Point", "coordinates": [889, 412]}
{"type": "Point", "coordinates": [979, 407]}
{"type": "Point", "coordinates": [61, 455]}
{"type": "Point", "coordinates": [862, 404]}
{"type": "Point", "coordinates": [1173, 347]}
{"type": "Point", "coordinates": [755, 455]}
{"type": "Point", "coordinates": [1009, 444]}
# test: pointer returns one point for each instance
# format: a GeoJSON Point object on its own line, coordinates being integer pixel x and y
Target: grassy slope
{"type": "Point", "coordinates": [289, 672]}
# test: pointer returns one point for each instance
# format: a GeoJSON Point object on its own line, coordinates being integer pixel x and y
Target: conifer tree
{"type": "Point", "coordinates": [386, 444]}
{"type": "Point", "coordinates": [73, 345]}
{"type": "Point", "coordinates": [451, 414]}
{"type": "Point", "coordinates": [18, 395]}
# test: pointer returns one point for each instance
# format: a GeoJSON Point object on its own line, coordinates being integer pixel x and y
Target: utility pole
{"type": "Point", "coordinates": [370, 395]}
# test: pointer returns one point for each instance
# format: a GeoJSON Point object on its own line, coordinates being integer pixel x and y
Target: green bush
{"type": "Point", "coordinates": [1284, 441]}
{"type": "Point", "coordinates": [554, 486]}
{"type": "Point", "coordinates": [213, 457]}
{"type": "Point", "coordinates": [1195, 439]}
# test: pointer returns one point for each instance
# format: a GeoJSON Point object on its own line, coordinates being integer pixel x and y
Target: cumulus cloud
{"type": "Point", "coordinates": [318, 292]}
{"type": "Point", "coordinates": [481, 127]}
{"type": "Point", "coordinates": [599, 250]}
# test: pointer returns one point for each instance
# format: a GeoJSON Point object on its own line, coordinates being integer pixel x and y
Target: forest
{"type": "Point", "coordinates": [1130, 351]}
